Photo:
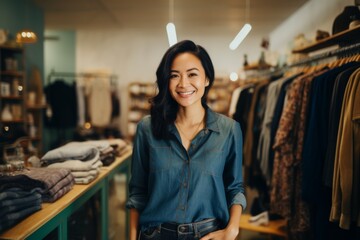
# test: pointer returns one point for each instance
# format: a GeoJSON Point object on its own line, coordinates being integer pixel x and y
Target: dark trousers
{"type": "Point", "coordinates": [174, 231]}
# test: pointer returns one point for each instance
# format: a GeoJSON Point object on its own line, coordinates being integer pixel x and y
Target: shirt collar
{"type": "Point", "coordinates": [212, 120]}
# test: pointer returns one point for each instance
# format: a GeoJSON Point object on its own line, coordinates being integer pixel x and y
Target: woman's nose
{"type": "Point", "coordinates": [183, 81]}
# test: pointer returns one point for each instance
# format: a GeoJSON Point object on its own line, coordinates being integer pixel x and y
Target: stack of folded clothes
{"type": "Point", "coordinates": [120, 146]}
{"type": "Point", "coordinates": [16, 204]}
{"type": "Point", "coordinates": [50, 183]}
{"type": "Point", "coordinates": [22, 192]}
{"type": "Point", "coordinates": [82, 159]}
{"type": "Point", "coordinates": [107, 152]}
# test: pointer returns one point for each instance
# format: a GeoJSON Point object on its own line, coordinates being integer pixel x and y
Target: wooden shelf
{"type": "Point", "coordinates": [11, 97]}
{"type": "Point", "coordinates": [256, 66]}
{"type": "Point", "coordinates": [36, 107]}
{"type": "Point", "coordinates": [344, 38]}
{"type": "Point", "coordinates": [275, 227]}
{"type": "Point", "coordinates": [12, 121]}
{"type": "Point", "coordinates": [12, 48]}
{"type": "Point", "coordinates": [12, 73]}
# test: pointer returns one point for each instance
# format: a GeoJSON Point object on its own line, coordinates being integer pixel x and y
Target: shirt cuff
{"type": "Point", "coordinates": [239, 199]}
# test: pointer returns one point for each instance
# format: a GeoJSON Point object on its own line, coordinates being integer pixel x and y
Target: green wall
{"type": "Point", "coordinates": [60, 51]}
{"type": "Point", "coordinates": [59, 46]}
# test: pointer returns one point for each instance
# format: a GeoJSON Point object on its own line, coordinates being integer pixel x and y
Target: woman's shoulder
{"type": "Point", "coordinates": [228, 124]}
{"type": "Point", "coordinates": [223, 119]}
{"type": "Point", "coordinates": [145, 121]}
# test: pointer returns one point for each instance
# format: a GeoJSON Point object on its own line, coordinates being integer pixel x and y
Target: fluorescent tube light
{"type": "Point", "coordinates": [240, 36]}
{"type": "Point", "coordinates": [171, 32]}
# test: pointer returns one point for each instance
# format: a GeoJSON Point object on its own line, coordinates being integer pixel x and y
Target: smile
{"type": "Point", "coordinates": [186, 93]}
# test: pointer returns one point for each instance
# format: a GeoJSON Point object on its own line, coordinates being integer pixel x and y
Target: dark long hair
{"type": "Point", "coordinates": [163, 107]}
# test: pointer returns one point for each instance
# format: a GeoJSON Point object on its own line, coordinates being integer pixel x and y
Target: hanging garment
{"type": "Point", "coordinates": [346, 182]}
{"type": "Point", "coordinates": [243, 107]}
{"type": "Point", "coordinates": [61, 97]}
{"type": "Point", "coordinates": [100, 102]}
{"type": "Point", "coordinates": [315, 144]}
{"type": "Point", "coordinates": [286, 182]}
{"type": "Point", "coordinates": [264, 138]}
{"type": "Point", "coordinates": [334, 118]}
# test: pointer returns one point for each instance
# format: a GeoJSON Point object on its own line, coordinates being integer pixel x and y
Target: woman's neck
{"type": "Point", "coordinates": [190, 115]}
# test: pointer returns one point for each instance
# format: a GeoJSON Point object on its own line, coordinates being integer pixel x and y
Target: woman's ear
{"type": "Point", "coordinates": [207, 82]}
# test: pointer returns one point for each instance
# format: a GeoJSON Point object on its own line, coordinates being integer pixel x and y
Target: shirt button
{"type": "Point", "coordinates": [185, 185]}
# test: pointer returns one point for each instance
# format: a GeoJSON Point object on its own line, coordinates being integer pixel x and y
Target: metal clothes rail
{"type": "Point", "coordinates": [339, 52]}
{"type": "Point", "coordinates": [58, 75]}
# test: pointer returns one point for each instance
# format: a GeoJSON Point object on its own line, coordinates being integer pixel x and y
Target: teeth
{"type": "Point", "coordinates": [186, 93]}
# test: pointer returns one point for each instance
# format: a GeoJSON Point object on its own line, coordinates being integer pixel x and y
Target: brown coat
{"type": "Point", "coordinates": [345, 196]}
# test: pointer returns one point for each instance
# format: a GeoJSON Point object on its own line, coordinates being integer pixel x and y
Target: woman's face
{"type": "Point", "coordinates": [187, 80]}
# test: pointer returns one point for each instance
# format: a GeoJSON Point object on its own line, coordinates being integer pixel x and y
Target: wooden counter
{"type": "Point", "coordinates": [275, 227]}
{"type": "Point", "coordinates": [55, 215]}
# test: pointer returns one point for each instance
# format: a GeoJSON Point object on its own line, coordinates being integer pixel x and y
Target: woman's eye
{"type": "Point", "coordinates": [173, 76]}
{"type": "Point", "coordinates": [192, 74]}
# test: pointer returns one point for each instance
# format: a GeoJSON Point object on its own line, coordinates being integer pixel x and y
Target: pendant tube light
{"type": "Point", "coordinates": [170, 27]}
{"type": "Point", "coordinates": [240, 36]}
{"type": "Point", "coordinates": [171, 33]}
{"type": "Point", "coordinates": [244, 30]}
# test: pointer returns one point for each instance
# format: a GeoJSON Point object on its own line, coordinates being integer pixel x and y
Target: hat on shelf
{"type": "Point", "coordinates": [343, 20]}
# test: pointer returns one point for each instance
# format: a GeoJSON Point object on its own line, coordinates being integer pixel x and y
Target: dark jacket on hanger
{"type": "Point", "coordinates": [61, 97]}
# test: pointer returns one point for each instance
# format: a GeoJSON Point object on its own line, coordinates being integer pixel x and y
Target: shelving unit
{"type": "Point", "coordinates": [139, 94]}
{"type": "Point", "coordinates": [54, 217]}
{"type": "Point", "coordinates": [341, 39]}
{"type": "Point", "coordinates": [12, 94]}
{"type": "Point", "coordinates": [219, 96]}
{"type": "Point", "coordinates": [35, 129]}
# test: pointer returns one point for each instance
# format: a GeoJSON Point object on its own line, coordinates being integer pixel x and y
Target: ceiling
{"type": "Point", "coordinates": [190, 15]}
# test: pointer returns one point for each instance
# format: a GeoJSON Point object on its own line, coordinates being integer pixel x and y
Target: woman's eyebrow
{"type": "Point", "coordinates": [192, 69]}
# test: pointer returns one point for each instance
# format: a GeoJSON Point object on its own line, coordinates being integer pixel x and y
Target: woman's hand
{"type": "Point", "coordinates": [229, 233]}
{"type": "Point", "coordinates": [232, 229]}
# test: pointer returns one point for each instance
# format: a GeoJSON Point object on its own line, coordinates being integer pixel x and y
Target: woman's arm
{"type": "Point", "coordinates": [134, 224]}
{"type": "Point", "coordinates": [232, 229]}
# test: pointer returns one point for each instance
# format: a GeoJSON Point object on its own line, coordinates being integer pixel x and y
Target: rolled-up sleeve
{"type": "Point", "coordinates": [138, 191]}
{"type": "Point", "coordinates": [233, 177]}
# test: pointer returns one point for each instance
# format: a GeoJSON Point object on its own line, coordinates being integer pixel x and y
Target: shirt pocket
{"type": "Point", "coordinates": [160, 158]}
{"type": "Point", "coordinates": [213, 162]}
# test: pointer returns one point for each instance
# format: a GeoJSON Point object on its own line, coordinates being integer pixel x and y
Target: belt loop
{"type": "Point", "coordinates": [196, 232]}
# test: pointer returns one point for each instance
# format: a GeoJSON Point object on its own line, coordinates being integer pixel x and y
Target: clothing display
{"type": "Point", "coordinates": [61, 97]}
{"type": "Point", "coordinates": [50, 183]}
{"type": "Point", "coordinates": [98, 144]}
{"type": "Point", "coordinates": [16, 204]}
{"type": "Point", "coordinates": [309, 130]}
{"type": "Point", "coordinates": [84, 159]}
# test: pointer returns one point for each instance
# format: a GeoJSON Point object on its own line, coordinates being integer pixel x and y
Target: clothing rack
{"type": "Point", "coordinates": [339, 52]}
{"type": "Point", "coordinates": [56, 75]}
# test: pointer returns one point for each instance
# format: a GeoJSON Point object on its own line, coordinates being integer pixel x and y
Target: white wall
{"type": "Point", "coordinates": [134, 55]}
{"type": "Point", "coordinates": [314, 15]}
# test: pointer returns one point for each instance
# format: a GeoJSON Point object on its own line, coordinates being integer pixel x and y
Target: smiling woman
{"type": "Point", "coordinates": [183, 152]}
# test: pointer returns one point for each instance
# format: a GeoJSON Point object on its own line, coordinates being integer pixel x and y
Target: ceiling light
{"type": "Point", "coordinates": [171, 32]}
{"type": "Point", "coordinates": [26, 36]}
{"type": "Point", "coordinates": [233, 76]}
{"type": "Point", "coordinates": [240, 36]}
{"type": "Point", "coordinates": [170, 27]}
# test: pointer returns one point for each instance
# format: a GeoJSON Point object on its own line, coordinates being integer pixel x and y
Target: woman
{"type": "Point", "coordinates": [186, 180]}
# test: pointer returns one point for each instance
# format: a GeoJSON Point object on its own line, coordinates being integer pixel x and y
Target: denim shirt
{"type": "Point", "coordinates": [170, 184]}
